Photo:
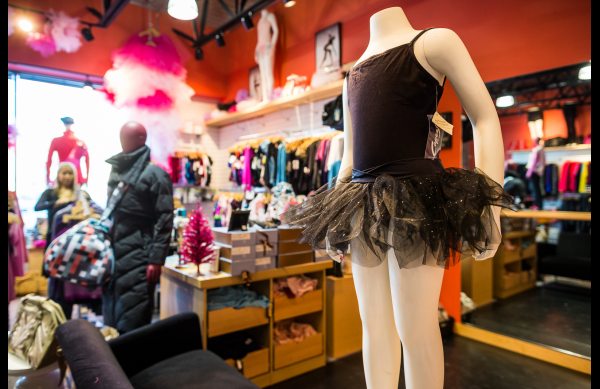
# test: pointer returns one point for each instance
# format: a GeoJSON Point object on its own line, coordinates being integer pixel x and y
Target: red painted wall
{"type": "Point", "coordinates": [450, 295]}
{"type": "Point", "coordinates": [504, 38]}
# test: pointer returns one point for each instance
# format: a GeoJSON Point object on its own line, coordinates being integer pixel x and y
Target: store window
{"type": "Point", "coordinates": [37, 104]}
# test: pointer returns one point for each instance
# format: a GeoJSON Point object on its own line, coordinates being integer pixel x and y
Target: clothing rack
{"type": "Point", "coordinates": [253, 140]}
{"type": "Point", "coordinates": [190, 153]}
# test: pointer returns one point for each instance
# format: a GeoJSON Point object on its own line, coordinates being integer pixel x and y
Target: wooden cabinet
{"type": "Point", "coordinates": [344, 328]}
{"type": "Point", "coordinates": [515, 264]}
{"type": "Point", "coordinates": [183, 291]}
{"type": "Point", "coordinates": [477, 280]}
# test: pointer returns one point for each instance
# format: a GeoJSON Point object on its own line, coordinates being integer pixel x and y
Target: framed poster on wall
{"type": "Point", "coordinates": [328, 48]}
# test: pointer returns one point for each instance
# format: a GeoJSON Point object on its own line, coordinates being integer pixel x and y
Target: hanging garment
{"type": "Point", "coordinates": [400, 196]}
{"type": "Point", "coordinates": [564, 177]}
{"type": "Point", "coordinates": [583, 178]}
{"type": "Point", "coordinates": [281, 163]}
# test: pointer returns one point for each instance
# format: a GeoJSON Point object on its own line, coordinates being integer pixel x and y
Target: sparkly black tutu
{"type": "Point", "coordinates": [427, 219]}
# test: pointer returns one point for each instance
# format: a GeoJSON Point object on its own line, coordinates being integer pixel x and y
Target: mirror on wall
{"type": "Point", "coordinates": [537, 288]}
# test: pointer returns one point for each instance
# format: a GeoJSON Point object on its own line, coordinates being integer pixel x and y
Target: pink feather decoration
{"type": "Point", "coordinates": [158, 101]}
{"type": "Point", "coordinates": [162, 57]}
{"type": "Point", "coordinates": [64, 31]}
{"type": "Point", "coordinates": [42, 43]}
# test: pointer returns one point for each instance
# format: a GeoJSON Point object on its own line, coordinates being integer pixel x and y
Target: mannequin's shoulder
{"type": "Point", "coordinates": [441, 40]}
{"type": "Point", "coordinates": [444, 50]}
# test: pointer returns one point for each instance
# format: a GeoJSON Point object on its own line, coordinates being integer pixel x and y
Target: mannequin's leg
{"type": "Point", "coordinates": [380, 341]}
{"type": "Point", "coordinates": [415, 297]}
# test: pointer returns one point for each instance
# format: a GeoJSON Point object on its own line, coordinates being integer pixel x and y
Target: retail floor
{"type": "Point", "coordinates": [469, 365]}
{"type": "Point", "coordinates": [555, 314]}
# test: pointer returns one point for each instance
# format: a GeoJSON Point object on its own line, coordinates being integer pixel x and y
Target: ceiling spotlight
{"type": "Point", "coordinates": [585, 73]}
{"type": "Point", "coordinates": [247, 21]}
{"type": "Point", "coordinates": [220, 40]}
{"type": "Point", "coordinates": [183, 9]}
{"type": "Point", "coordinates": [505, 101]}
{"type": "Point", "coordinates": [87, 34]}
{"type": "Point", "coordinates": [289, 3]}
{"type": "Point", "coordinates": [25, 25]}
{"type": "Point", "coordinates": [198, 53]}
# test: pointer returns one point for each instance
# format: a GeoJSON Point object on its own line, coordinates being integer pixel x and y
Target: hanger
{"type": "Point", "coordinates": [150, 32]}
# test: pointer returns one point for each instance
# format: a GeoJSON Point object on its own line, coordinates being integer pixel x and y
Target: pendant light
{"type": "Point", "coordinates": [183, 9]}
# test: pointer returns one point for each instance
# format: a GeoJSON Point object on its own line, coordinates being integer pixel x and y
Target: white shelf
{"type": "Point", "coordinates": [323, 92]}
{"type": "Point", "coordinates": [558, 155]}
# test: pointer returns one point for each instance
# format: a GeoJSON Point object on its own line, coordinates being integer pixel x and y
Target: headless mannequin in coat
{"type": "Point", "coordinates": [133, 136]}
{"type": "Point", "coordinates": [399, 307]}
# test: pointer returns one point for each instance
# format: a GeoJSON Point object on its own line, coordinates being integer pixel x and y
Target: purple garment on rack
{"type": "Point", "coordinates": [17, 256]}
{"type": "Point", "coordinates": [247, 172]}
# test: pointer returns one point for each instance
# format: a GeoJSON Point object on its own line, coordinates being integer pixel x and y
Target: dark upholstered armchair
{"type": "Point", "coordinates": [164, 354]}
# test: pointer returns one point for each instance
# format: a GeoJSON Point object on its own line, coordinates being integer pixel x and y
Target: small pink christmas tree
{"type": "Point", "coordinates": [197, 246]}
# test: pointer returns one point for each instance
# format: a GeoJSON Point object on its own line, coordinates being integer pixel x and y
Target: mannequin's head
{"type": "Point", "coordinates": [68, 122]}
{"type": "Point", "coordinates": [133, 136]}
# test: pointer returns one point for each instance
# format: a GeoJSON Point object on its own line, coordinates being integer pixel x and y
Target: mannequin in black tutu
{"type": "Point", "coordinates": [405, 217]}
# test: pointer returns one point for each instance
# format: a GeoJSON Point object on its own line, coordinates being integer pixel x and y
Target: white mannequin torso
{"type": "Point", "coordinates": [389, 29]}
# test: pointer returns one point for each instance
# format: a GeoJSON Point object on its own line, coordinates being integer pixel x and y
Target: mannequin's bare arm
{"type": "Point", "coordinates": [275, 29]}
{"type": "Point", "coordinates": [347, 162]}
{"type": "Point", "coordinates": [445, 52]}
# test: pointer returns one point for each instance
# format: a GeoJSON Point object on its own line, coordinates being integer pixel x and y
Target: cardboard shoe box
{"type": "Point", "coordinates": [266, 241]}
{"type": "Point", "coordinates": [233, 238]}
{"type": "Point", "coordinates": [321, 255]}
{"type": "Point", "coordinates": [264, 263]}
{"type": "Point", "coordinates": [237, 267]}
{"type": "Point", "coordinates": [284, 260]}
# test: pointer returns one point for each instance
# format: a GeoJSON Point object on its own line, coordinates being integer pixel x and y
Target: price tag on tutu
{"type": "Point", "coordinates": [442, 123]}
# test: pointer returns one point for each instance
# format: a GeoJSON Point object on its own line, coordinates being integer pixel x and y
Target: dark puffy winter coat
{"type": "Point", "coordinates": [141, 234]}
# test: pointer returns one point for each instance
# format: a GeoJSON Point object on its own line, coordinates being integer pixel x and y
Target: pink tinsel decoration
{"type": "Point", "coordinates": [42, 43]}
{"type": "Point", "coordinates": [158, 101]}
{"type": "Point", "coordinates": [162, 57]}
{"type": "Point", "coordinates": [197, 246]}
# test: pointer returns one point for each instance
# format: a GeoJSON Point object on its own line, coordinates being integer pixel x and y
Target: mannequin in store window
{"type": "Point", "coordinates": [264, 54]}
{"type": "Point", "coordinates": [404, 215]}
{"type": "Point", "coordinates": [141, 232]}
{"type": "Point", "coordinates": [69, 149]}
{"type": "Point", "coordinates": [535, 172]}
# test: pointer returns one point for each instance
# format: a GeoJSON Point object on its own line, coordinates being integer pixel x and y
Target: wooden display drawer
{"type": "Point", "coordinates": [511, 255]}
{"type": "Point", "coordinates": [510, 280]}
{"type": "Point", "coordinates": [287, 354]}
{"type": "Point", "coordinates": [286, 308]}
{"type": "Point", "coordinates": [253, 364]}
{"type": "Point", "coordinates": [226, 320]}
{"type": "Point", "coordinates": [529, 251]}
